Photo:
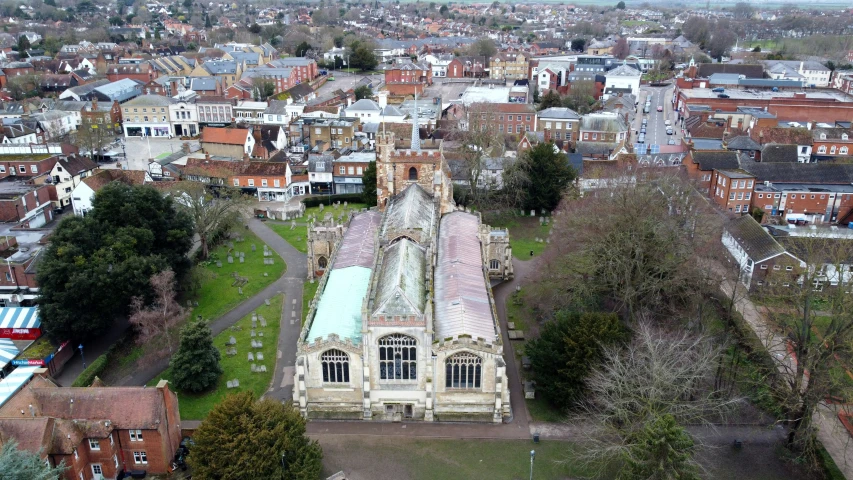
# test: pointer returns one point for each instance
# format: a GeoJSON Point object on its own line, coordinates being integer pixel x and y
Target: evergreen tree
{"type": "Point", "coordinates": [550, 99]}
{"type": "Point", "coordinates": [131, 234]}
{"type": "Point", "coordinates": [368, 179]}
{"type": "Point", "coordinates": [16, 463]}
{"type": "Point", "coordinates": [195, 366]}
{"type": "Point", "coordinates": [23, 44]}
{"type": "Point", "coordinates": [567, 349]}
{"type": "Point", "coordinates": [244, 438]}
{"type": "Point", "coordinates": [363, 91]}
{"type": "Point", "coordinates": [548, 173]}
{"type": "Point", "coordinates": [363, 58]}
{"type": "Point", "coordinates": [663, 450]}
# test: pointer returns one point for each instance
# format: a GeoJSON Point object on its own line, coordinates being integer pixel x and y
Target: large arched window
{"type": "Point", "coordinates": [398, 357]}
{"type": "Point", "coordinates": [335, 366]}
{"type": "Point", "coordinates": [322, 262]}
{"type": "Point", "coordinates": [413, 173]}
{"type": "Point", "coordinates": [463, 370]}
{"type": "Point", "coordinates": [494, 264]}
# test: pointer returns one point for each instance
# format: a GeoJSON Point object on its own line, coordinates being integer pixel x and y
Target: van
{"type": "Point", "coordinates": [641, 138]}
{"type": "Point", "coordinates": [667, 123]}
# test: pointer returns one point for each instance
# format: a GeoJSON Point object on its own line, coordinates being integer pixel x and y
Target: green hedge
{"type": "Point", "coordinates": [830, 469]}
{"type": "Point", "coordinates": [329, 199]}
{"type": "Point", "coordinates": [93, 370]}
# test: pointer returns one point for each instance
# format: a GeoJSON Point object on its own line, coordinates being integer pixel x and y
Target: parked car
{"type": "Point", "coordinates": [645, 121]}
{"type": "Point", "coordinates": [718, 90]}
{"type": "Point", "coordinates": [643, 130]}
{"type": "Point", "coordinates": [722, 95]}
{"type": "Point", "coordinates": [669, 131]}
{"type": "Point", "coordinates": [660, 108]}
{"type": "Point", "coordinates": [671, 141]}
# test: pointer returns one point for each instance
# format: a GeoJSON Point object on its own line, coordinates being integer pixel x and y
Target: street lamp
{"type": "Point", "coordinates": [81, 355]}
{"type": "Point", "coordinates": [283, 465]}
{"type": "Point", "coordinates": [532, 456]}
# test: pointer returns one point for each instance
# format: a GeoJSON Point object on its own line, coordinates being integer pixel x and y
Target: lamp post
{"type": "Point", "coordinates": [532, 456]}
{"type": "Point", "coordinates": [81, 355]}
{"type": "Point", "coordinates": [434, 379]}
{"type": "Point", "coordinates": [283, 464]}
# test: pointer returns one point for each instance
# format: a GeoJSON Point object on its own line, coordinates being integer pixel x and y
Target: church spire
{"type": "Point", "coordinates": [416, 131]}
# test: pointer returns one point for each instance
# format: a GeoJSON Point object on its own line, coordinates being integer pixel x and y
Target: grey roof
{"type": "Point", "coordinates": [401, 288]}
{"type": "Point", "coordinates": [216, 67]}
{"type": "Point", "coordinates": [754, 239]}
{"type": "Point", "coordinates": [357, 246]}
{"type": "Point", "coordinates": [412, 211]}
{"type": "Point", "coordinates": [576, 161]}
{"type": "Point", "coordinates": [819, 173]}
{"type": "Point", "coordinates": [202, 84]}
{"type": "Point", "coordinates": [120, 90]}
{"type": "Point", "coordinates": [832, 133]}
{"type": "Point", "coordinates": [743, 142]}
{"type": "Point", "coordinates": [559, 113]}
{"type": "Point", "coordinates": [320, 163]}
{"type": "Point", "coordinates": [624, 71]}
{"type": "Point", "coordinates": [716, 160]}
{"type": "Point", "coordinates": [83, 90]}
{"type": "Point", "coordinates": [724, 79]}
{"type": "Point", "coordinates": [598, 123]}
{"type": "Point", "coordinates": [365, 104]}
{"type": "Point", "coordinates": [392, 111]}
{"type": "Point", "coordinates": [462, 300]}
{"type": "Point", "coordinates": [595, 148]}
{"type": "Point", "coordinates": [773, 153]}
{"type": "Point", "coordinates": [707, 143]}
{"type": "Point", "coordinates": [291, 62]}
{"type": "Point", "coordinates": [276, 107]}
{"type": "Point", "coordinates": [251, 58]}
{"type": "Point", "coordinates": [150, 101]}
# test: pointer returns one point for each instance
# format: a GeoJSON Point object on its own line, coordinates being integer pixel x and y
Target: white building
{"type": "Point", "coordinates": [438, 63]}
{"type": "Point", "coordinates": [369, 111]}
{"type": "Point", "coordinates": [622, 80]}
{"type": "Point", "coordinates": [84, 193]}
{"type": "Point", "coordinates": [184, 119]}
{"type": "Point", "coordinates": [67, 174]}
{"type": "Point", "coordinates": [813, 73]}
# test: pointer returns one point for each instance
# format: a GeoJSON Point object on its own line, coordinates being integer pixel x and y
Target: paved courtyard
{"type": "Point", "coordinates": [139, 150]}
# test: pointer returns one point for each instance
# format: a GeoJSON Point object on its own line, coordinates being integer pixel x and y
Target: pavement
{"type": "Point", "coordinates": [290, 285]}
{"type": "Point", "coordinates": [91, 350]}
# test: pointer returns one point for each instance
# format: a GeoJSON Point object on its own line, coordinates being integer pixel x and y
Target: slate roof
{"type": "Point", "coordinates": [220, 67]}
{"type": "Point", "coordinates": [742, 142]}
{"type": "Point", "coordinates": [364, 104]}
{"type": "Point", "coordinates": [597, 123]}
{"type": "Point", "coordinates": [788, 136]}
{"type": "Point", "coordinates": [716, 160]}
{"type": "Point", "coordinates": [151, 101]}
{"type": "Point", "coordinates": [401, 288]}
{"type": "Point", "coordinates": [624, 71]}
{"type": "Point", "coordinates": [203, 84]}
{"type": "Point", "coordinates": [83, 90]}
{"type": "Point", "coordinates": [750, 71]}
{"type": "Point", "coordinates": [561, 113]}
{"type": "Point", "coordinates": [832, 133]}
{"type": "Point", "coordinates": [754, 239]}
{"type": "Point", "coordinates": [276, 107]}
{"type": "Point", "coordinates": [820, 173]}
{"type": "Point", "coordinates": [774, 153]}
{"type": "Point", "coordinates": [411, 210]}
{"type": "Point", "coordinates": [595, 148]}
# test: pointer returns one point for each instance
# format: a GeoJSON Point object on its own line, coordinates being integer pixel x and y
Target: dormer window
{"type": "Point", "coordinates": [844, 136]}
{"type": "Point", "coordinates": [823, 136]}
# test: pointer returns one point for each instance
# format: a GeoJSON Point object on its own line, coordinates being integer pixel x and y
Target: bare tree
{"type": "Point", "coordinates": [814, 311]}
{"type": "Point", "coordinates": [155, 320]}
{"type": "Point", "coordinates": [657, 374]}
{"type": "Point", "coordinates": [621, 49]}
{"type": "Point", "coordinates": [480, 138]}
{"type": "Point", "coordinates": [212, 214]}
{"type": "Point", "coordinates": [91, 136]}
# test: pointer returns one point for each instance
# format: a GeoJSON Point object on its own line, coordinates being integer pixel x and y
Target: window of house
{"type": "Point", "coordinates": [359, 170]}
{"type": "Point", "coordinates": [463, 370]}
{"type": "Point", "coordinates": [832, 149]}
{"type": "Point", "coordinates": [740, 195]}
{"type": "Point", "coordinates": [140, 458]}
{"type": "Point", "coordinates": [843, 150]}
{"type": "Point", "coordinates": [251, 182]}
{"type": "Point", "coordinates": [789, 268]}
{"type": "Point", "coordinates": [776, 267]}
{"type": "Point", "coordinates": [747, 196]}
{"type": "Point", "coordinates": [595, 136]}
{"type": "Point", "coordinates": [723, 181]}
{"type": "Point", "coordinates": [335, 365]}
{"type": "Point", "coordinates": [22, 169]}
{"type": "Point", "coordinates": [821, 149]}
{"type": "Point", "coordinates": [94, 444]}
{"type": "Point", "coordinates": [732, 196]}
{"type": "Point", "coordinates": [263, 182]}
{"type": "Point", "coordinates": [342, 170]}
{"type": "Point", "coordinates": [760, 195]}
{"type": "Point", "coordinates": [316, 131]}
{"type": "Point", "coordinates": [764, 267]}
{"type": "Point", "coordinates": [236, 182]}
{"type": "Point", "coordinates": [97, 470]}
{"type": "Point", "coordinates": [34, 168]}
{"type": "Point", "coordinates": [494, 264]}
{"type": "Point", "coordinates": [737, 208]}
{"type": "Point", "coordinates": [350, 170]}
{"type": "Point", "coordinates": [276, 183]}
{"type": "Point", "coordinates": [547, 124]}
{"type": "Point", "coordinates": [413, 173]}
{"type": "Point", "coordinates": [585, 135]}
{"type": "Point", "coordinates": [398, 359]}
{"type": "Point", "coordinates": [145, 118]}
{"type": "Point", "coordinates": [777, 196]}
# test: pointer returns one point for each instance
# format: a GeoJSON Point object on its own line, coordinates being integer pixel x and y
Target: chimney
{"type": "Point", "coordinates": [349, 101]}
{"type": "Point", "coordinates": [801, 67]}
{"type": "Point", "coordinates": [382, 99]}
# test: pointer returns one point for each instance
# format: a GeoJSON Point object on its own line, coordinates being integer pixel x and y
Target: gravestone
{"type": "Point", "coordinates": [533, 213]}
{"type": "Point", "coordinates": [242, 259]}
{"type": "Point", "coordinates": [263, 322]}
{"type": "Point", "coordinates": [267, 301]}
{"type": "Point", "coordinates": [253, 247]}
{"type": "Point", "coordinates": [236, 383]}
{"type": "Point", "coordinates": [259, 356]}
{"type": "Point", "coordinates": [541, 220]}
{"type": "Point", "coordinates": [251, 357]}
{"type": "Point", "coordinates": [321, 207]}
{"type": "Point", "coordinates": [254, 368]}
{"type": "Point", "coordinates": [190, 303]}
{"type": "Point", "coordinates": [232, 341]}
{"type": "Point", "coordinates": [260, 334]}
{"type": "Point", "coordinates": [219, 264]}
{"type": "Point", "coordinates": [229, 384]}
{"type": "Point", "coordinates": [254, 322]}
{"type": "Point", "coordinates": [240, 290]}
{"type": "Point", "coordinates": [252, 333]}
{"type": "Point", "coordinates": [346, 204]}
{"type": "Point", "coordinates": [230, 259]}
{"type": "Point", "coordinates": [293, 224]}
{"type": "Point", "coordinates": [263, 368]}
{"type": "Point", "coordinates": [266, 274]}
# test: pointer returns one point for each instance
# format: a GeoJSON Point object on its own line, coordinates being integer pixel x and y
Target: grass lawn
{"type": "Point", "coordinates": [216, 295]}
{"type": "Point", "coordinates": [523, 232]}
{"type": "Point", "coordinates": [308, 292]}
{"type": "Point", "coordinates": [196, 406]}
{"type": "Point", "coordinates": [297, 237]}
{"type": "Point", "coordinates": [430, 459]}
{"type": "Point", "coordinates": [315, 211]}
{"type": "Point", "coordinates": [542, 411]}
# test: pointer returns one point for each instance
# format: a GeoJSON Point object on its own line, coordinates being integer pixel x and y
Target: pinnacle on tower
{"type": "Point", "coordinates": [416, 132]}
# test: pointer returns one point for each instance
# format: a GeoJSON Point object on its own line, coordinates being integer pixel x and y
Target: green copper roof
{"type": "Point", "coordinates": [340, 311]}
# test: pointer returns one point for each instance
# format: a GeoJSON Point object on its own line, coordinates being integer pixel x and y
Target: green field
{"type": "Point", "coordinates": [216, 296]}
{"type": "Point", "coordinates": [296, 237]}
{"type": "Point", "coordinates": [196, 406]}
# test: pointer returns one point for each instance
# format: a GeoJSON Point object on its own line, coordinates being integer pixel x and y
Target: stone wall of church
{"type": "Point", "coordinates": [489, 402]}
{"type": "Point", "coordinates": [322, 238]}
{"type": "Point", "coordinates": [496, 247]}
{"type": "Point", "coordinates": [322, 400]}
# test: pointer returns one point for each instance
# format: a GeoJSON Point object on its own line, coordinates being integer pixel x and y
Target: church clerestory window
{"type": "Point", "coordinates": [413, 173]}
{"type": "Point", "coordinates": [335, 366]}
{"type": "Point", "coordinates": [494, 264]}
{"type": "Point", "coordinates": [463, 370]}
{"type": "Point", "coordinates": [398, 357]}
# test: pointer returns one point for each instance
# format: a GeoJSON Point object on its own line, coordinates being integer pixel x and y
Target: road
{"type": "Point", "coordinates": [656, 128]}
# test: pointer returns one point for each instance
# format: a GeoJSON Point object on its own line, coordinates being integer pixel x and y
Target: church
{"type": "Point", "coordinates": [403, 325]}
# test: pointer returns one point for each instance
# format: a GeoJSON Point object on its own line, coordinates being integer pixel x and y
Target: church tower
{"type": "Point", "coordinates": [422, 163]}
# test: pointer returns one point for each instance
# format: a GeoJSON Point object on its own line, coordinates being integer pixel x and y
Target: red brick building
{"type": "Point", "coordinates": [464, 67]}
{"type": "Point", "coordinates": [27, 166]}
{"type": "Point", "coordinates": [510, 118]}
{"type": "Point", "coordinates": [408, 78]}
{"type": "Point", "coordinates": [97, 431]}
{"type": "Point", "coordinates": [733, 190]}
{"type": "Point", "coordinates": [144, 72]}
{"type": "Point", "coordinates": [25, 203]}
{"type": "Point", "coordinates": [832, 142]}
{"type": "Point", "coordinates": [701, 164]}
